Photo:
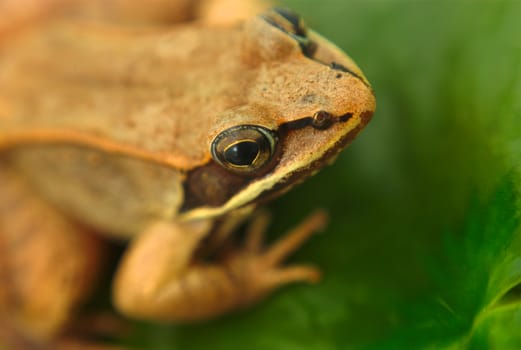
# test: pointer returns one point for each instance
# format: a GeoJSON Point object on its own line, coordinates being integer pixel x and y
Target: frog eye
{"type": "Point", "coordinates": [244, 149]}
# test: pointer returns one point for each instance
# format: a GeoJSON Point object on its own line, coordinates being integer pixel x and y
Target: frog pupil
{"type": "Point", "coordinates": [242, 153]}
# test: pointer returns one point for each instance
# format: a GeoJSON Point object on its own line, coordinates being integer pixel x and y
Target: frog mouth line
{"type": "Point", "coordinates": [292, 24]}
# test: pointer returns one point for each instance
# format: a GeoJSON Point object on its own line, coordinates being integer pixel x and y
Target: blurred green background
{"type": "Point", "coordinates": [424, 246]}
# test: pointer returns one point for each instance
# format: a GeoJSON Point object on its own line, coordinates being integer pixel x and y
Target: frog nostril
{"type": "Point", "coordinates": [340, 67]}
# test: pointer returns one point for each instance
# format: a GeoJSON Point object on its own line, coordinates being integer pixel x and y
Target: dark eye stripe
{"type": "Point", "coordinates": [317, 121]}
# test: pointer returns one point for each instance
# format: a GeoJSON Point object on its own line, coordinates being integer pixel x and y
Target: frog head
{"type": "Point", "coordinates": [306, 100]}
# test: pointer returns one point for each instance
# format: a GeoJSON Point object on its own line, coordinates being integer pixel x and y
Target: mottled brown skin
{"type": "Point", "coordinates": [107, 115]}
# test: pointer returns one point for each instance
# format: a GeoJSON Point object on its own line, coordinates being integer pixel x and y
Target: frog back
{"type": "Point", "coordinates": [142, 92]}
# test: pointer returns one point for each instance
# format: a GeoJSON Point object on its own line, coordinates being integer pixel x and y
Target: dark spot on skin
{"type": "Point", "coordinates": [338, 76]}
{"type": "Point", "coordinates": [131, 124]}
{"type": "Point", "coordinates": [274, 23]}
{"type": "Point", "coordinates": [308, 99]}
{"type": "Point", "coordinates": [293, 18]}
{"type": "Point", "coordinates": [291, 24]}
{"type": "Point", "coordinates": [342, 68]}
{"type": "Point", "coordinates": [345, 117]}
{"type": "Point", "coordinates": [308, 48]}
{"type": "Point", "coordinates": [338, 66]}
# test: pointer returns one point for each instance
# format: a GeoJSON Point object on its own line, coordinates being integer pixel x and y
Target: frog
{"type": "Point", "coordinates": [166, 134]}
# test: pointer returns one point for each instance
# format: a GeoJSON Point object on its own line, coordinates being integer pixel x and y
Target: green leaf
{"type": "Point", "coordinates": [475, 283]}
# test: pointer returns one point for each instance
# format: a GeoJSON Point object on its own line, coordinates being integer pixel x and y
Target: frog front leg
{"type": "Point", "coordinates": [159, 279]}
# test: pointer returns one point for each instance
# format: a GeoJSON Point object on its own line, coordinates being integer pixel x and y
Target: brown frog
{"type": "Point", "coordinates": [120, 123]}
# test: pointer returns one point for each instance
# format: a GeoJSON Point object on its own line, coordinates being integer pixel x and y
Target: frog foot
{"type": "Point", "coordinates": [259, 270]}
{"type": "Point", "coordinates": [159, 278]}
